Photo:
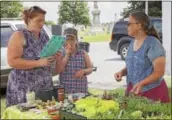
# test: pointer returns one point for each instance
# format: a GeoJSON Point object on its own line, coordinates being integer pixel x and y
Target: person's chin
{"type": "Point", "coordinates": [38, 30]}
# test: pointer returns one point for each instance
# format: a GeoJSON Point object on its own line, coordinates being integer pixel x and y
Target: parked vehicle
{"type": "Point", "coordinates": [8, 26]}
{"type": "Point", "coordinates": [120, 39]}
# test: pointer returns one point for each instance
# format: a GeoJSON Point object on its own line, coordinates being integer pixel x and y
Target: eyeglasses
{"type": "Point", "coordinates": [128, 24]}
{"type": "Point", "coordinates": [32, 9]}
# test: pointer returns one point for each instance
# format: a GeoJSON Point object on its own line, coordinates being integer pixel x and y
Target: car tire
{"type": "Point", "coordinates": [123, 50]}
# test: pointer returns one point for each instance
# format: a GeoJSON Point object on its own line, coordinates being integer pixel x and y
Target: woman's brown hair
{"type": "Point", "coordinates": [146, 23]}
{"type": "Point", "coordinates": [32, 12]}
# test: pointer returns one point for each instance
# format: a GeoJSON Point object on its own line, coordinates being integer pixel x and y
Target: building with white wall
{"type": "Point", "coordinates": [167, 31]}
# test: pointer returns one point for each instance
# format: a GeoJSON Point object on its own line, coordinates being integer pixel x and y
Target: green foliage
{"type": "Point", "coordinates": [147, 107]}
{"type": "Point", "coordinates": [96, 91]}
{"type": "Point", "coordinates": [75, 12]}
{"type": "Point", "coordinates": [49, 22]}
{"type": "Point", "coordinates": [11, 9]}
{"type": "Point", "coordinates": [93, 107]}
{"type": "Point", "coordinates": [137, 114]}
{"type": "Point", "coordinates": [154, 8]}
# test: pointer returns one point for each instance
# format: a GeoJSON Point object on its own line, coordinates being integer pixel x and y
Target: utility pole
{"type": "Point", "coordinates": [146, 7]}
{"type": "Point", "coordinates": [115, 17]}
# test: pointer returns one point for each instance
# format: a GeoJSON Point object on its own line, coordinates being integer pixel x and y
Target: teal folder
{"type": "Point", "coordinates": [53, 45]}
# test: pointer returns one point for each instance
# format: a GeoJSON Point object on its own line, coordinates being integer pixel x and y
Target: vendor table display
{"type": "Point", "coordinates": [97, 105]}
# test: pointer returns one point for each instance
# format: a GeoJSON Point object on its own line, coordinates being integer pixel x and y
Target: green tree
{"type": "Point", "coordinates": [75, 12]}
{"type": "Point", "coordinates": [10, 9]}
{"type": "Point", "coordinates": [49, 22]}
{"type": "Point", "coordinates": [154, 8]}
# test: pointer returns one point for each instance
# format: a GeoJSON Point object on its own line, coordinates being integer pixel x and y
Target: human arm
{"type": "Point", "coordinates": [62, 62]}
{"type": "Point", "coordinates": [15, 53]}
{"type": "Point", "coordinates": [158, 72]}
{"type": "Point", "coordinates": [118, 76]}
{"type": "Point", "coordinates": [89, 67]}
{"type": "Point", "coordinates": [156, 54]}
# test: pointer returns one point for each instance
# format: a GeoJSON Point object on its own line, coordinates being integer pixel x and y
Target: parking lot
{"type": "Point", "coordinates": [107, 63]}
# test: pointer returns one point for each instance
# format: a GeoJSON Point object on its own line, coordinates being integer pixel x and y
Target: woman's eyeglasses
{"type": "Point", "coordinates": [32, 9]}
{"type": "Point", "coordinates": [128, 24]}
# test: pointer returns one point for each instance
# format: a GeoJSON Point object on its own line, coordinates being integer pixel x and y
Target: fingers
{"type": "Point", "coordinates": [118, 77]}
{"type": "Point", "coordinates": [58, 56]}
{"type": "Point", "coordinates": [137, 91]}
{"type": "Point", "coordinates": [58, 53]}
{"type": "Point", "coordinates": [78, 75]}
{"type": "Point", "coordinates": [134, 89]}
{"type": "Point", "coordinates": [50, 59]}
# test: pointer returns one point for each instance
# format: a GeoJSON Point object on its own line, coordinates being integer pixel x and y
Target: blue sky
{"type": "Point", "coordinates": [108, 9]}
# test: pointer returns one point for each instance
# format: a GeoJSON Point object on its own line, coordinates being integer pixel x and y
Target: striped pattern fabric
{"type": "Point", "coordinates": [67, 79]}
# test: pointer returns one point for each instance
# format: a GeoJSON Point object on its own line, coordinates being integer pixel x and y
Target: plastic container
{"type": "Point", "coordinates": [30, 97]}
{"type": "Point", "coordinates": [61, 94]}
{"type": "Point", "coordinates": [55, 116]}
{"type": "Point", "coordinates": [44, 94]}
{"type": "Point", "coordinates": [55, 92]}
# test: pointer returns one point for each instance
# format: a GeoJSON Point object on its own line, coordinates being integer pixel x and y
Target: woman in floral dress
{"type": "Point", "coordinates": [28, 72]}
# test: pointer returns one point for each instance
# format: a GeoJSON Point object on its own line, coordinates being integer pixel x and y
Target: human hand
{"type": "Point", "coordinates": [46, 61]}
{"type": "Point", "coordinates": [137, 88]}
{"type": "Point", "coordinates": [58, 56]}
{"type": "Point", "coordinates": [118, 76]}
{"type": "Point", "coordinates": [79, 74]}
{"type": "Point", "coordinates": [68, 48]}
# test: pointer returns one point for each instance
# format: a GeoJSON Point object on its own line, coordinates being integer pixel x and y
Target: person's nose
{"type": "Point", "coordinates": [41, 24]}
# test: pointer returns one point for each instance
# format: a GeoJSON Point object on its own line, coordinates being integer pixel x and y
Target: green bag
{"type": "Point", "coordinates": [53, 45]}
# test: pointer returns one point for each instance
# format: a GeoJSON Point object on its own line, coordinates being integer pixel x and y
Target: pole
{"type": "Point", "coordinates": [115, 17]}
{"type": "Point", "coordinates": [146, 7]}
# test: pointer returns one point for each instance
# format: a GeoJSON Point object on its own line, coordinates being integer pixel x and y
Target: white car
{"type": "Point", "coordinates": [7, 28]}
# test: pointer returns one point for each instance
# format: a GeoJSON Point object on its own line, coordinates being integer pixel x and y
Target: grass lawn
{"type": "Point", "coordinates": [97, 38]}
{"type": "Point", "coordinates": [96, 91]}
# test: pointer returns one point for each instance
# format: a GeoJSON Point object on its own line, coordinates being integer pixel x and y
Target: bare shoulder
{"type": "Point", "coordinates": [17, 38]}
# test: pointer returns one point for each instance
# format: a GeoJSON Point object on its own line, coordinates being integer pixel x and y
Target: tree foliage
{"type": "Point", "coordinates": [154, 8]}
{"type": "Point", "coordinates": [75, 12]}
{"type": "Point", "coordinates": [10, 9]}
{"type": "Point", "coordinates": [49, 22]}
